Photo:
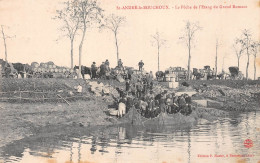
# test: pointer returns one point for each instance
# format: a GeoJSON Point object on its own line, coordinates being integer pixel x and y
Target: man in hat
{"type": "Point", "coordinates": [93, 70]}
{"type": "Point", "coordinates": [127, 85]}
{"type": "Point", "coordinates": [120, 63]}
{"type": "Point", "coordinates": [151, 104]}
{"type": "Point", "coordinates": [141, 64]}
{"type": "Point", "coordinates": [188, 104]}
{"type": "Point", "coordinates": [175, 106]}
{"type": "Point", "coordinates": [107, 62]}
{"type": "Point", "coordinates": [162, 101]}
{"type": "Point", "coordinates": [139, 88]}
{"type": "Point", "coordinates": [133, 89]}
{"type": "Point", "coordinates": [102, 69]}
{"type": "Point", "coordinates": [182, 104]}
{"type": "Point", "coordinates": [129, 101]}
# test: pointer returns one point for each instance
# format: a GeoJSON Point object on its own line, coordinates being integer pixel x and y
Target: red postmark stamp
{"type": "Point", "coordinates": [248, 143]}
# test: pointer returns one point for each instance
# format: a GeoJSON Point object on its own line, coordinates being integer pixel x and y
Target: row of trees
{"type": "Point", "coordinates": [245, 45]}
{"type": "Point", "coordinates": [78, 15]}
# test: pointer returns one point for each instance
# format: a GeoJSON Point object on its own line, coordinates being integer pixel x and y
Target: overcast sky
{"type": "Point", "coordinates": [38, 38]}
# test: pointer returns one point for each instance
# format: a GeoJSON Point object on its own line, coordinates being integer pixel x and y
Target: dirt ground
{"type": "Point", "coordinates": [21, 119]}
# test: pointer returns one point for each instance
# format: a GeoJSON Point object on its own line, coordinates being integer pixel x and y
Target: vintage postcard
{"type": "Point", "coordinates": [129, 81]}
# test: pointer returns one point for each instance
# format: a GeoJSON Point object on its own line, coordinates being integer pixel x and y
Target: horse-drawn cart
{"type": "Point", "coordinates": [235, 74]}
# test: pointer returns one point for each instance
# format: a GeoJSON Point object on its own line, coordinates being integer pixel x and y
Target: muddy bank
{"type": "Point", "coordinates": [21, 120]}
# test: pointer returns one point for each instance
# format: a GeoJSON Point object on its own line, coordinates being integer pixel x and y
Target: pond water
{"type": "Point", "coordinates": [218, 141]}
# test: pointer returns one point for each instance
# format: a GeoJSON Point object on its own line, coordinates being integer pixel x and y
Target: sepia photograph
{"type": "Point", "coordinates": [129, 81]}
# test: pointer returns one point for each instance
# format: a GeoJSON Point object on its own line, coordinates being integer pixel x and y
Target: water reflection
{"type": "Point", "coordinates": [128, 143]}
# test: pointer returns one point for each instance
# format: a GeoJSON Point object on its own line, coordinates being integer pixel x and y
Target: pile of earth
{"type": "Point", "coordinates": [244, 98]}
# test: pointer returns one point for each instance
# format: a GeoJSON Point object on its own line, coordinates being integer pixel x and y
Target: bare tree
{"type": "Point", "coordinates": [5, 37]}
{"type": "Point", "coordinates": [188, 38]}
{"type": "Point", "coordinates": [113, 23]}
{"type": "Point", "coordinates": [245, 42]}
{"type": "Point", "coordinates": [89, 13]}
{"type": "Point", "coordinates": [71, 23]}
{"type": "Point", "coordinates": [239, 52]}
{"type": "Point", "coordinates": [216, 57]}
{"type": "Point", "coordinates": [158, 42]}
{"type": "Point", "coordinates": [255, 49]}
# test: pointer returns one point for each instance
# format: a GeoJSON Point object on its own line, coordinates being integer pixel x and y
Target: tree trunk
{"type": "Point", "coordinates": [247, 65]}
{"type": "Point", "coordinates": [254, 68]}
{"type": "Point", "coordinates": [216, 60]}
{"type": "Point", "coordinates": [117, 53]}
{"type": "Point", "coordinates": [71, 53]}
{"type": "Point", "coordinates": [189, 60]}
{"type": "Point", "coordinates": [5, 51]}
{"type": "Point", "coordinates": [158, 58]}
{"type": "Point", "coordinates": [4, 43]}
{"type": "Point", "coordinates": [238, 63]}
{"type": "Point", "coordinates": [80, 50]}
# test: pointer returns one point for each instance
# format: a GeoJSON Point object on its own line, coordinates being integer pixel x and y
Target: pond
{"type": "Point", "coordinates": [218, 141]}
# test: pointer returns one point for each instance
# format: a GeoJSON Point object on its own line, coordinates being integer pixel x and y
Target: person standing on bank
{"type": "Point", "coordinates": [120, 63]}
{"type": "Point", "coordinates": [107, 62]}
{"type": "Point", "coordinates": [141, 64]}
{"type": "Point", "coordinates": [93, 70]}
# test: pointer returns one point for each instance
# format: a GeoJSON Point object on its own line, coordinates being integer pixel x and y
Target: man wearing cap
{"type": "Point", "coordinates": [107, 62]}
{"type": "Point", "coordinates": [141, 64]}
{"type": "Point", "coordinates": [188, 104]}
{"type": "Point", "coordinates": [127, 85]}
{"type": "Point", "coordinates": [102, 69]}
{"type": "Point", "coordinates": [151, 104]}
{"type": "Point", "coordinates": [129, 101]}
{"type": "Point", "coordinates": [93, 70]}
{"type": "Point", "coordinates": [175, 106]}
{"type": "Point", "coordinates": [120, 63]}
{"type": "Point", "coordinates": [139, 89]}
{"type": "Point", "coordinates": [182, 104]}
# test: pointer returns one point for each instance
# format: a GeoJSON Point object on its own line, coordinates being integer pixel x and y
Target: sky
{"type": "Point", "coordinates": [38, 38]}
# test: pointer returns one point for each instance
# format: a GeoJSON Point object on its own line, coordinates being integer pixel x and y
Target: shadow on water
{"type": "Point", "coordinates": [47, 141]}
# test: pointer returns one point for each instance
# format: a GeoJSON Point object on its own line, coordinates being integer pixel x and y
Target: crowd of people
{"type": "Point", "coordinates": [102, 70]}
{"type": "Point", "coordinates": [150, 104]}
{"type": "Point", "coordinates": [105, 71]}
